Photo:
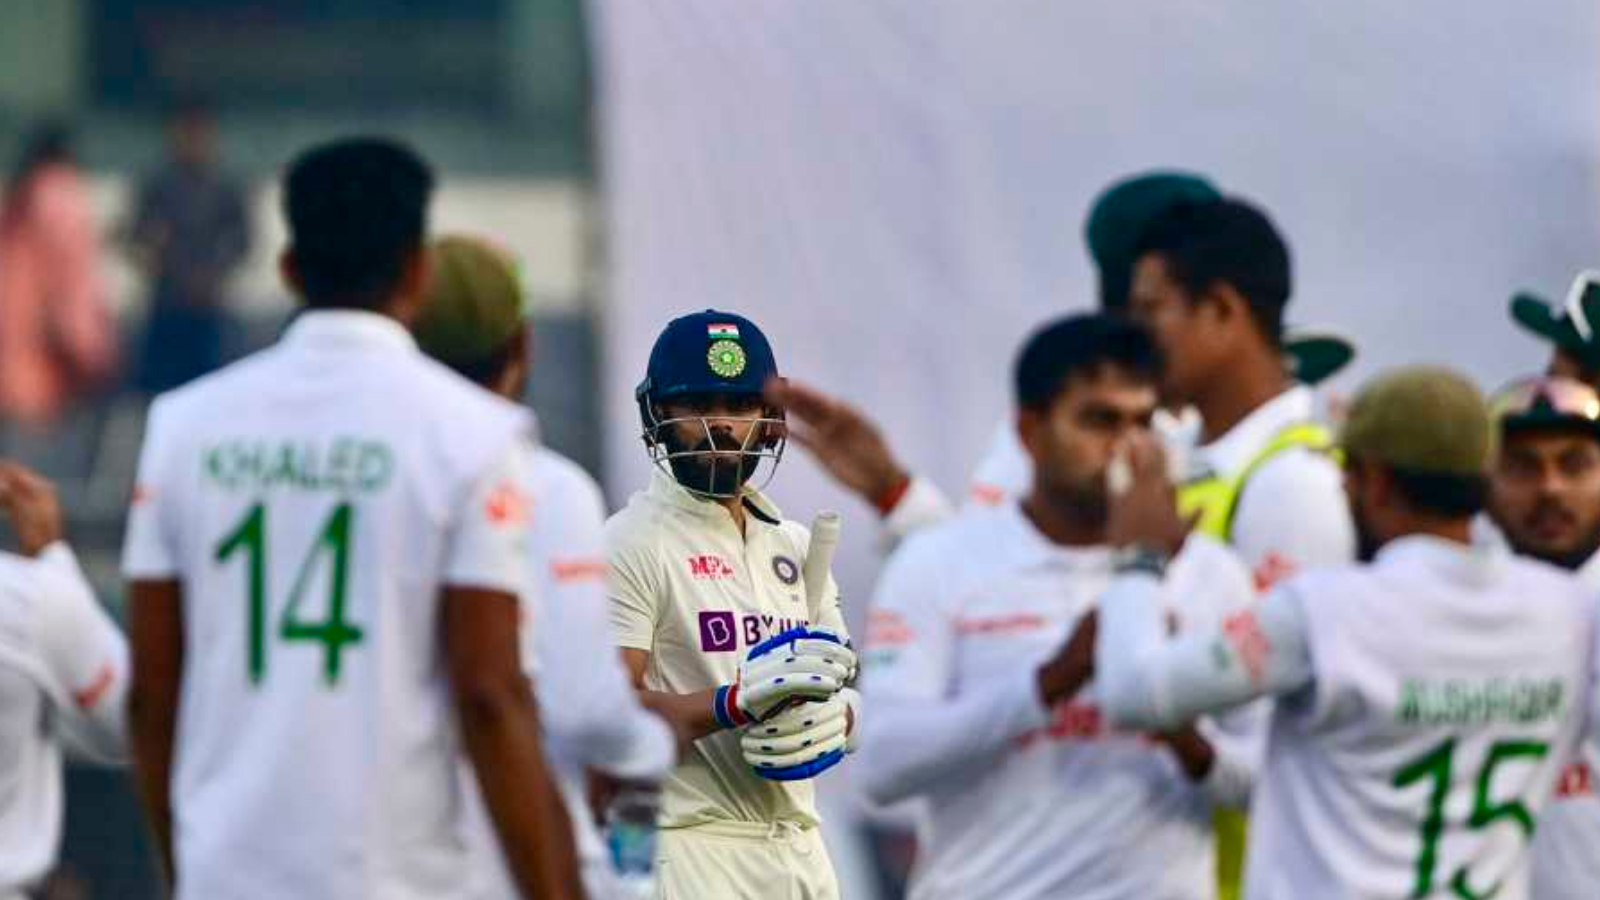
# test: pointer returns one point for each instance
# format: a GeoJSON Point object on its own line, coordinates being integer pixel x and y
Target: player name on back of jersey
{"type": "Point", "coordinates": [339, 465]}
{"type": "Point", "coordinates": [1462, 701]}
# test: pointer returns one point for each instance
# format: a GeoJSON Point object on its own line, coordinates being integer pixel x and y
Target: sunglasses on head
{"type": "Point", "coordinates": [1546, 395]}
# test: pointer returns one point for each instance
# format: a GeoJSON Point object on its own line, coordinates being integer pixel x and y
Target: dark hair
{"type": "Point", "coordinates": [487, 370]}
{"type": "Point", "coordinates": [1441, 493]}
{"type": "Point", "coordinates": [1230, 242]}
{"type": "Point", "coordinates": [1078, 346]}
{"type": "Point", "coordinates": [357, 211]}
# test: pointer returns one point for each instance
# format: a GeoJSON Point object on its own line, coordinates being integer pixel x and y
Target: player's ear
{"type": "Point", "coordinates": [1029, 423]}
{"type": "Point", "coordinates": [1224, 303]}
{"type": "Point", "coordinates": [289, 271]}
{"type": "Point", "coordinates": [414, 272]}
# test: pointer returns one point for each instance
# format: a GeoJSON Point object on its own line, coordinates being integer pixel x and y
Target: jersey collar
{"type": "Point", "coordinates": [1031, 543]}
{"type": "Point", "coordinates": [348, 328]}
{"type": "Point", "coordinates": [1234, 449]}
{"type": "Point", "coordinates": [1474, 562]}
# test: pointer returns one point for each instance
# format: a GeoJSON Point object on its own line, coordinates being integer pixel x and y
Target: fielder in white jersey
{"type": "Point", "coordinates": [63, 679]}
{"type": "Point", "coordinates": [1544, 500]}
{"type": "Point", "coordinates": [1426, 701]}
{"type": "Point", "coordinates": [1030, 794]}
{"type": "Point", "coordinates": [474, 321]}
{"type": "Point", "coordinates": [326, 551]}
{"type": "Point", "coordinates": [705, 572]}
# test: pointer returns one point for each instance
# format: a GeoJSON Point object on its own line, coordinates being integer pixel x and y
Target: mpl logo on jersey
{"type": "Point", "coordinates": [722, 631]}
{"type": "Point", "coordinates": [709, 566]}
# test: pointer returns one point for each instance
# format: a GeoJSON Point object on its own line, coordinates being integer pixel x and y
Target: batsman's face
{"type": "Point", "coordinates": [718, 436]}
{"type": "Point", "coordinates": [1072, 441]}
{"type": "Point", "coordinates": [1179, 326]}
{"type": "Point", "coordinates": [1545, 495]}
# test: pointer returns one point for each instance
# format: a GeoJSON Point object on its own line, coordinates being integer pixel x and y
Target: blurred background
{"type": "Point", "coordinates": [894, 189]}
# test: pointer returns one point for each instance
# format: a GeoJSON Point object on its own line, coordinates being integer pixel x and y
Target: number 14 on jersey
{"type": "Point", "coordinates": [333, 631]}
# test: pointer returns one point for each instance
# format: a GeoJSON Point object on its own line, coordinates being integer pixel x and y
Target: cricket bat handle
{"type": "Point", "coordinates": [819, 560]}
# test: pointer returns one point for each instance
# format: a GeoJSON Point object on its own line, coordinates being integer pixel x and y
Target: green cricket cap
{"type": "Point", "coordinates": [1314, 355]}
{"type": "Point", "coordinates": [1119, 216]}
{"type": "Point", "coordinates": [473, 304]}
{"type": "Point", "coordinates": [1550, 322]}
{"type": "Point", "coordinates": [1423, 419]}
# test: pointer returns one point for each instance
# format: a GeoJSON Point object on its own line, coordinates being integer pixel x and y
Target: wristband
{"type": "Point", "coordinates": [725, 707]}
{"type": "Point", "coordinates": [888, 500]}
{"type": "Point", "coordinates": [1140, 558]}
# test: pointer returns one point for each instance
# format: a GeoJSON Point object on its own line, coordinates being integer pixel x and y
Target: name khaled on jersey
{"type": "Point", "coordinates": [343, 464]}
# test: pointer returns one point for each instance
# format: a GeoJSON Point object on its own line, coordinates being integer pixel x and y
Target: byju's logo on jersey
{"type": "Point", "coordinates": [709, 566]}
{"type": "Point", "coordinates": [719, 632]}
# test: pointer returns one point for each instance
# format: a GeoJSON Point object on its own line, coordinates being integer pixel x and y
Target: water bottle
{"type": "Point", "coordinates": [631, 838]}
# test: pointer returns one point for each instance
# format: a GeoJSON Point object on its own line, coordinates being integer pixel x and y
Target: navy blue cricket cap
{"type": "Point", "coordinates": [709, 352]}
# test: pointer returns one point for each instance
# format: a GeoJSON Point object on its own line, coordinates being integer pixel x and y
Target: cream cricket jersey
{"type": "Point", "coordinates": [63, 680]}
{"type": "Point", "coordinates": [1566, 848]}
{"type": "Point", "coordinates": [312, 500]}
{"type": "Point", "coordinates": [1023, 801]}
{"type": "Point", "coordinates": [687, 588]}
{"type": "Point", "coordinates": [1425, 705]}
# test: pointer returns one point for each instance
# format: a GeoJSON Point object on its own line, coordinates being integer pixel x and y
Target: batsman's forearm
{"type": "Point", "coordinates": [690, 715]}
{"type": "Point", "coordinates": [500, 733]}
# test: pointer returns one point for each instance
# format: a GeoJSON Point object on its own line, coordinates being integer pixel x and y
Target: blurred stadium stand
{"type": "Point", "coordinates": [493, 92]}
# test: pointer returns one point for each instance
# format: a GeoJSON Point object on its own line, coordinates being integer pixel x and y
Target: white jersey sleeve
{"type": "Point", "coordinates": [923, 505]}
{"type": "Point", "coordinates": [1293, 515]}
{"type": "Point", "coordinates": [150, 548]}
{"type": "Point", "coordinates": [1153, 681]}
{"type": "Point", "coordinates": [632, 593]}
{"type": "Point", "coordinates": [585, 699]}
{"type": "Point", "coordinates": [85, 656]}
{"type": "Point", "coordinates": [486, 549]}
{"type": "Point", "coordinates": [918, 732]}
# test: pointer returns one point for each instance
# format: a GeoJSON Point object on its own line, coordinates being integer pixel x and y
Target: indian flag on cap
{"type": "Point", "coordinates": [722, 331]}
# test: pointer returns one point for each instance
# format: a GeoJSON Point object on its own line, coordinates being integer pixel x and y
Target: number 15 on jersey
{"type": "Point", "coordinates": [333, 631]}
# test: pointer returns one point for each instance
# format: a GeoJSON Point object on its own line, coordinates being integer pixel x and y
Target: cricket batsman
{"type": "Point", "coordinates": [709, 603]}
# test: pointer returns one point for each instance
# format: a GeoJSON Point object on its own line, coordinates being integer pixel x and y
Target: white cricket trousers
{"type": "Point", "coordinates": [743, 861]}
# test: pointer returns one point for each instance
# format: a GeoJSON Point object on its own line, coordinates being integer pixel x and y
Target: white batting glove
{"type": "Point", "coordinates": [800, 664]}
{"type": "Point", "coordinates": [801, 741]}
{"type": "Point", "coordinates": [828, 644]}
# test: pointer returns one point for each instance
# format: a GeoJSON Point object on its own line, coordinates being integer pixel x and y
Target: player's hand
{"type": "Point", "coordinates": [1143, 503]}
{"type": "Point", "coordinates": [799, 664]}
{"type": "Point", "coordinates": [800, 742]}
{"type": "Point", "coordinates": [29, 502]}
{"type": "Point", "coordinates": [1194, 753]}
{"type": "Point", "coordinates": [847, 444]}
{"type": "Point", "coordinates": [1073, 665]}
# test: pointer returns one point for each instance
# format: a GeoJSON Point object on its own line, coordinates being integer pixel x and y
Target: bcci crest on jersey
{"type": "Point", "coordinates": [720, 631]}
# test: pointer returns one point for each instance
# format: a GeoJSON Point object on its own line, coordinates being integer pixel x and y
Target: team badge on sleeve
{"type": "Point", "coordinates": [786, 570]}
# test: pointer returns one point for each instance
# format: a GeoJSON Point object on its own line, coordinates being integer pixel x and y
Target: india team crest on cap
{"type": "Point", "coordinates": [726, 358]}
{"type": "Point", "coordinates": [786, 570]}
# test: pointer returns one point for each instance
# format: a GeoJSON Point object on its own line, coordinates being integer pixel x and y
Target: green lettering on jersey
{"type": "Point", "coordinates": [1460, 701]}
{"type": "Point", "coordinates": [342, 465]}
